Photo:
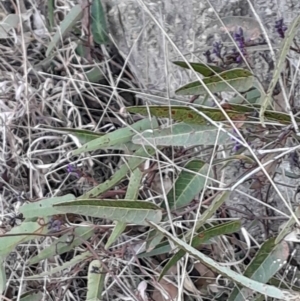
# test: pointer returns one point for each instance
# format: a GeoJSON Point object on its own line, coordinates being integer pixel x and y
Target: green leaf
{"type": "Point", "coordinates": [10, 22]}
{"type": "Point", "coordinates": [223, 229]}
{"type": "Point", "coordinates": [66, 25]}
{"type": "Point", "coordinates": [50, 14]}
{"type": "Point", "coordinates": [96, 277]}
{"type": "Point", "coordinates": [262, 288]}
{"type": "Point", "coordinates": [188, 184]}
{"type": "Point", "coordinates": [182, 193]}
{"type": "Point", "coordinates": [84, 136]}
{"type": "Point", "coordinates": [117, 137]}
{"type": "Point", "coordinates": [120, 210]}
{"type": "Point", "coordinates": [32, 296]}
{"type": "Point", "coordinates": [95, 74]}
{"type": "Point", "coordinates": [25, 232]}
{"type": "Point", "coordinates": [210, 211]}
{"type": "Point", "coordinates": [132, 193]}
{"type": "Point", "coordinates": [231, 80]}
{"type": "Point", "coordinates": [135, 161]}
{"type": "Point", "coordinates": [250, 96]}
{"type": "Point", "coordinates": [266, 263]}
{"type": "Point", "coordinates": [284, 49]}
{"type": "Point", "coordinates": [98, 23]}
{"type": "Point", "coordinates": [77, 259]}
{"type": "Point", "coordinates": [288, 227]}
{"type": "Point", "coordinates": [44, 207]}
{"type": "Point", "coordinates": [204, 69]}
{"type": "Point", "coordinates": [116, 233]}
{"type": "Point", "coordinates": [183, 134]}
{"type": "Point", "coordinates": [186, 114]}
{"type": "Point", "coordinates": [65, 243]}
{"type": "Point", "coordinates": [2, 276]}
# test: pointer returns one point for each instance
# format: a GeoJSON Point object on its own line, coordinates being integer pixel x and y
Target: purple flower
{"type": "Point", "coordinates": [237, 145]}
{"type": "Point", "coordinates": [217, 48]}
{"type": "Point", "coordinates": [240, 40]}
{"type": "Point", "coordinates": [207, 55]}
{"type": "Point", "coordinates": [73, 169]}
{"type": "Point", "coordinates": [54, 225]}
{"type": "Point", "coordinates": [280, 27]}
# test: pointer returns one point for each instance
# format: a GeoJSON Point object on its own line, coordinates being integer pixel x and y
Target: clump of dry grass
{"type": "Point", "coordinates": [42, 95]}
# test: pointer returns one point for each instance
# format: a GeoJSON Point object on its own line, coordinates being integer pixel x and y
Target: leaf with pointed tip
{"type": "Point", "coordinates": [98, 23]}
{"type": "Point", "coordinates": [183, 134]}
{"type": "Point", "coordinates": [66, 25]}
{"type": "Point", "coordinates": [32, 296]}
{"type": "Point", "coordinates": [186, 114]}
{"type": "Point", "coordinates": [250, 97]}
{"type": "Point", "coordinates": [135, 161]}
{"type": "Point", "coordinates": [188, 184]}
{"type": "Point", "coordinates": [131, 193]}
{"type": "Point", "coordinates": [85, 136]}
{"type": "Point", "coordinates": [2, 276]}
{"type": "Point", "coordinates": [117, 137]}
{"type": "Point", "coordinates": [44, 207]}
{"type": "Point", "coordinates": [204, 69]}
{"type": "Point", "coordinates": [284, 49]}
{"type": "Point", "coordinates": [239, 279]}
{"type": "Point", "coordinates": [136, 212]}
{"type": "Point", "coordinates": [94, 75]}
{"type": "Point", "coordinates": [231, 80]}
{"type": "Point", "coordinates": [223, 229]}
{"type": "Point", "coordinates": [266, 263]}
{"type": "Point", "coordinates": [7, 24]}
{"type": "Point", "coordinates": [63, 244]}
{"type": "Point", "coordinates": [78, 258]}
{"type": "Point", "coordinates": [25, 232]}
{"type": "Point", "coordinates": [96, 277]}
{"type": "Point", "coordinates": [210, 211]}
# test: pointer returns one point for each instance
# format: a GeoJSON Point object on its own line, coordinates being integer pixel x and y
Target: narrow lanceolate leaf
{"type": "Point", "coordinates": [283, 51]}
{"type": "Point", "coordinates": [183, 134]}
{"type": "Point", "coordinates": [66, 25]}
{"type": "Point", "coordinates": [2, 276]}
{"type": "Point", "coordinates": [44, 207]}
{"type": "Point", "coordinates": [132, 193]}
{"type": "Point", "coordinates": [79, 258]}
{"type": "Point", "coordinates": [223, 229]}
{"type": "Point", "coordinates": [83, 136]}
{"type": "Point", "coordinates": [188, 184]}
{"type": "Point", "coordinates": [239, 279]}
{"type": "Point", "coordinates": [98, 23]}
{"type": "Point", "coordinates": [205, 70]}
{"type": "Point", "coordinates": [50, 14]}
{"type": "Point", "coordinates": [65, 243]}
{"type": "Point", "coordinates": [186, 114]}
{"type": "Point", "coordinates": [165, 247]}
{"type": "Point", "coordinates": [136, 212]}
{"type": "Point", "coordinates": [117, 137]}
{"type": "Point", "coordinates": [7, 24]}
{"type": "Point", "coordinates": [25, 232]}
{"type": "Point", "coordinates": [266, 263]}
{"type": "Point", "coordinates": [94, 75]}
{"type": "Point", "coordinates": [210, 211]}
{"type": "Point", "coordinates": [232, 80]}
{"type": "Point", "coordinates": [288, 227]}
{"type": "Point", "coordinates": [135, 161]}
{"type": "Point", "coordinates": [96, 277]}
{"type": "Point", "coordinates": [32, 296]}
